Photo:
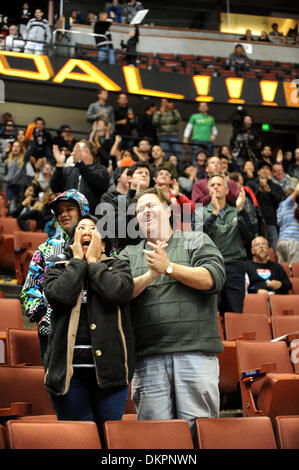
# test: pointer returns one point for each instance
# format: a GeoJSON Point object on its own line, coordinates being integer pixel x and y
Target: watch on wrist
{"type": "Point", "coordinates": [169, 268]}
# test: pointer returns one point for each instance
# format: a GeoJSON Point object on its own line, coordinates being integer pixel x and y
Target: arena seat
{"type": "Point", "coordinates": [295, 269]}
{"type": "Point", "coordinates": [148, 434]}
{"type": "Point", "coordinates": [256, 304]}
{"type": "Point", "coordinates": [287, 432]}
{"type": "Point", "coordinates": [25, 243]}
{"type": "Point", "coordinates": [23, 434]}
{"type": "Point", "coordinates": [264, 392]}
{"type": "Point", "coordinates": [295, 285]}
{"type": "Point", "coordinates": [23, 347]}
{"type": "Point", "coordinates": [2, 438]}
{"type": "Point", "coordinates": [247, 326]}
{"type": "Point", "coordinates": [8, 225]}
{"type": "Point", "coordinates": [235, 433]}
{"type": "Point", "coordinates": [23, 385]}
{"type": "Point", "coordinates": [228, 372]}
{"type": "Point", "coordinates": [284, 304]}
{"type": "Point", "coordinates": [286, 267]}
{"type": "Point", "coordinates": [10, 314]}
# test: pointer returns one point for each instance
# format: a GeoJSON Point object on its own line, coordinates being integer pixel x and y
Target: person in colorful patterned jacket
{"type": "Point", "coordinates": [68, 208]}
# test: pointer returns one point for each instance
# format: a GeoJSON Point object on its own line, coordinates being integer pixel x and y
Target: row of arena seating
{"type": "Point", "coordinates": [195, 64]}
{"type": "Point", "coordinates": [212, 433]}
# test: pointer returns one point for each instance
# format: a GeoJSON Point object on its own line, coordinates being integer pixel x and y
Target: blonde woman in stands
{"type": "Point", "coordinates": [15, 171]}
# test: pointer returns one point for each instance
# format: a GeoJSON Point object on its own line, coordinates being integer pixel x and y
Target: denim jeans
{"type": "Point", "coordinates": [171, 146]}
{"type": "Point", "coordinates": [104, 52]}
{"type": "Point", "coordinates": [177, 386]}
{"type": "Point", "coordinates": [231, 298]}
{"type": "Point", "coordinates": [85, 401]}
{"type": "Point", "coordinates": [272, 236]}
{"type": "Point", "coordinates": [197, 145]}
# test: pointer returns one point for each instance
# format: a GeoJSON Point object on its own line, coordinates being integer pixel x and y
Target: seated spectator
{"type": "Point", "coordinates": [44, 178]}
{"type": "Point", "coordinates": [238, 60]}
{"type": "Point", "coordinates": [15, 176]}
{"type": "Point", "coordinates": [101, 140]}
{"type": "Point", "coordinates": [21, 138]}
{"type": "Point", "coordinates": [131, 46]}
{"type": "Point", "coordinates": [87, 174]}
{"type": "Point", "coordinates": [264, 37]}
{"type": "Point", "coordinates": [130, 9]}
{"type": "Point", "coordinates": [288, 222]}
{"type": "Point", "coordinates": [169, 186]}
{"type": "Point", "coordinates": [105, 49]}
{"type": "Point", "coordinates": [158, 160]}
{"type": "Point", "coordinates": [248, 36]}
{"type": "Point", "coordinates": [281, 178]}
{"type": "Point", "coordinates": [14, 41]}
{"type": "Point", "coordinates": [267, 154]}
{"type": "Point", "coordinates": [74, 18]}
{"type": "Point", "coordinates": [91, 19]}
{"type": "Point", "coordinates": [265, 276]}
{"type": "Point", "coordinates": [201, 192]}
{"type": "Point", "coordinates": [187, 178]}
{"type": "Point", "coordinates": [274, 33]}
{"type": "Point", "coordinates": [8, 131]}
{"type": "Point", "coordinates": [173, 159]}
{"type": "Point", "coordinates": [115, 12]}
{"type": "Point", "coordinates": [201, 161]}
{"type": "Point", "coordinates": [26, 206]}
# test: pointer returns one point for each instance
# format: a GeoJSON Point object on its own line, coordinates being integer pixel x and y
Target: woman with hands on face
{"type": "Point", "coordinates": [90, 357]}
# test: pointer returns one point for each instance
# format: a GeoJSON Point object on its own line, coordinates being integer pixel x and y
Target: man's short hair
{"type": "Point", "coordinates": [156, 192]}
{"type": "Point", "coordinates": [221, 176]}
{"type": "Point", "coordinates": [165, 168]}
{"type": "Point", "coordinates": [136, 165]}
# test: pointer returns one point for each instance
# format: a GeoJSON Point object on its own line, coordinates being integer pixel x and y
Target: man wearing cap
{"type": "Point", "coordinates": [269, 195]}
{"type": "Point", "coordinates": [68, 208]}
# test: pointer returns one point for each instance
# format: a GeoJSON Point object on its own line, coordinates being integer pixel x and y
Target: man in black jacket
{"type": "Point", "coordinates": [265, 276]}
{"type": "Point", "coordinates": [269, 195]}
{"type": "Point", "coordinates": [87, 175]}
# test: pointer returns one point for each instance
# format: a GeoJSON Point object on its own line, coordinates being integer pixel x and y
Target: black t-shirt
{"type": "Point", "coordinates": [259, 273]}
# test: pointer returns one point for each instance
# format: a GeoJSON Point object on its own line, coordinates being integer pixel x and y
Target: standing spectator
{"type": "Point", "coordinates": [158, 160]}
{"type": "Point", "coordinates": [281, 178]}
{"type": "Point", "coordinates": [145, 126]}
{"type": "Point", "coordinates": [130, 9]}
{"type": "Point", "coordinates": [143, 150]}
{"type": "Point", "coordinates": [228, 227]}
{"type": "Point", "coordinates": [238, 60]}
{"type": "Point", "coordinates": [104, 43]}
{"type": "Point", "coordinates": [37, 34]}
{"type": "Point", "coordinates": [125, 121]}
{"type": "Point", "coordinates": [15, 171]}
{"type": "Point", "coordinates": [274, 33]}
{"type": "Point", "coordinates": [131, 46]}
{"type": "Point", "coordinates": [174, 315]}
{"type": "Point", "coordinates": [201, 192]}
{"type": "Point", "coordinates": [101, 110]}
{"type": "Point", "coordinates": [24, 17]}
{"type": "Point", "coordinates": [269, 195]}
{"type": "Point", "coordinates": [87, 175]}
{"type": "Point", "coordinates": [102, 141]}
{"type": "Point", "coordinates": [203, 129]}
{"type": "Point", "coordinates": [14, 41]}
{"type": "Point", "coordinates": [265, 276]}
{"type": "Point", "coordinates": [288, 222]}
{"type": "Point", "coordinates": [167, 120]}
{"type": "Point", "coordinates": [293, 168]}
{"type": "Point", "coordinates": [115, 12]}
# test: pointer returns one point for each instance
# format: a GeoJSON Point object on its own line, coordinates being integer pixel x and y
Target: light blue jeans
{"type": "Point", "coordinates": [104, 52]}
{"type": "Point", "coordinates": [177, 386]}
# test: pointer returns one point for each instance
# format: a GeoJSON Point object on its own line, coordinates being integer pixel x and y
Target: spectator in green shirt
{"type": "Point", "coordinates": [203, 129]}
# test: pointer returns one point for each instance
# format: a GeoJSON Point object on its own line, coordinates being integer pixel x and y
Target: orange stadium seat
{"type": "Point", "coordinates": [8, 225]}
{"type": "Point", "coordinates": [25, 243]}
{"type": "Point", "coordinates": [257, 304]}
{"type": "Point", "coordinates": [151, 434]}
{"type": "Point", "coordinates": [23, 434]}
{"type": "Point", "coordinates": [228, 373]}
{"type": "Point", "coordinates": [295, 285]}
{"type": "Point", "coordinates": [10, 314]}
{"type": "Point", "coordinates": [247, 326]}
{"type": "Point", "coordinates": [287, 432]}
{"type": "Point", "coordinates": [235, 433]}
{"type": "Point", "coordinates": [2, 438]}
{"type": "Point", "coordinates": [268, 384]}
{"type": "Point", "coordinates": [295, 269]}
{"type": "Point", "coordinates": [23, 347]}
{"type": "Point", "coordinates": [286, 267]}
{"type": "Point", "coordinates": [284, 304]}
